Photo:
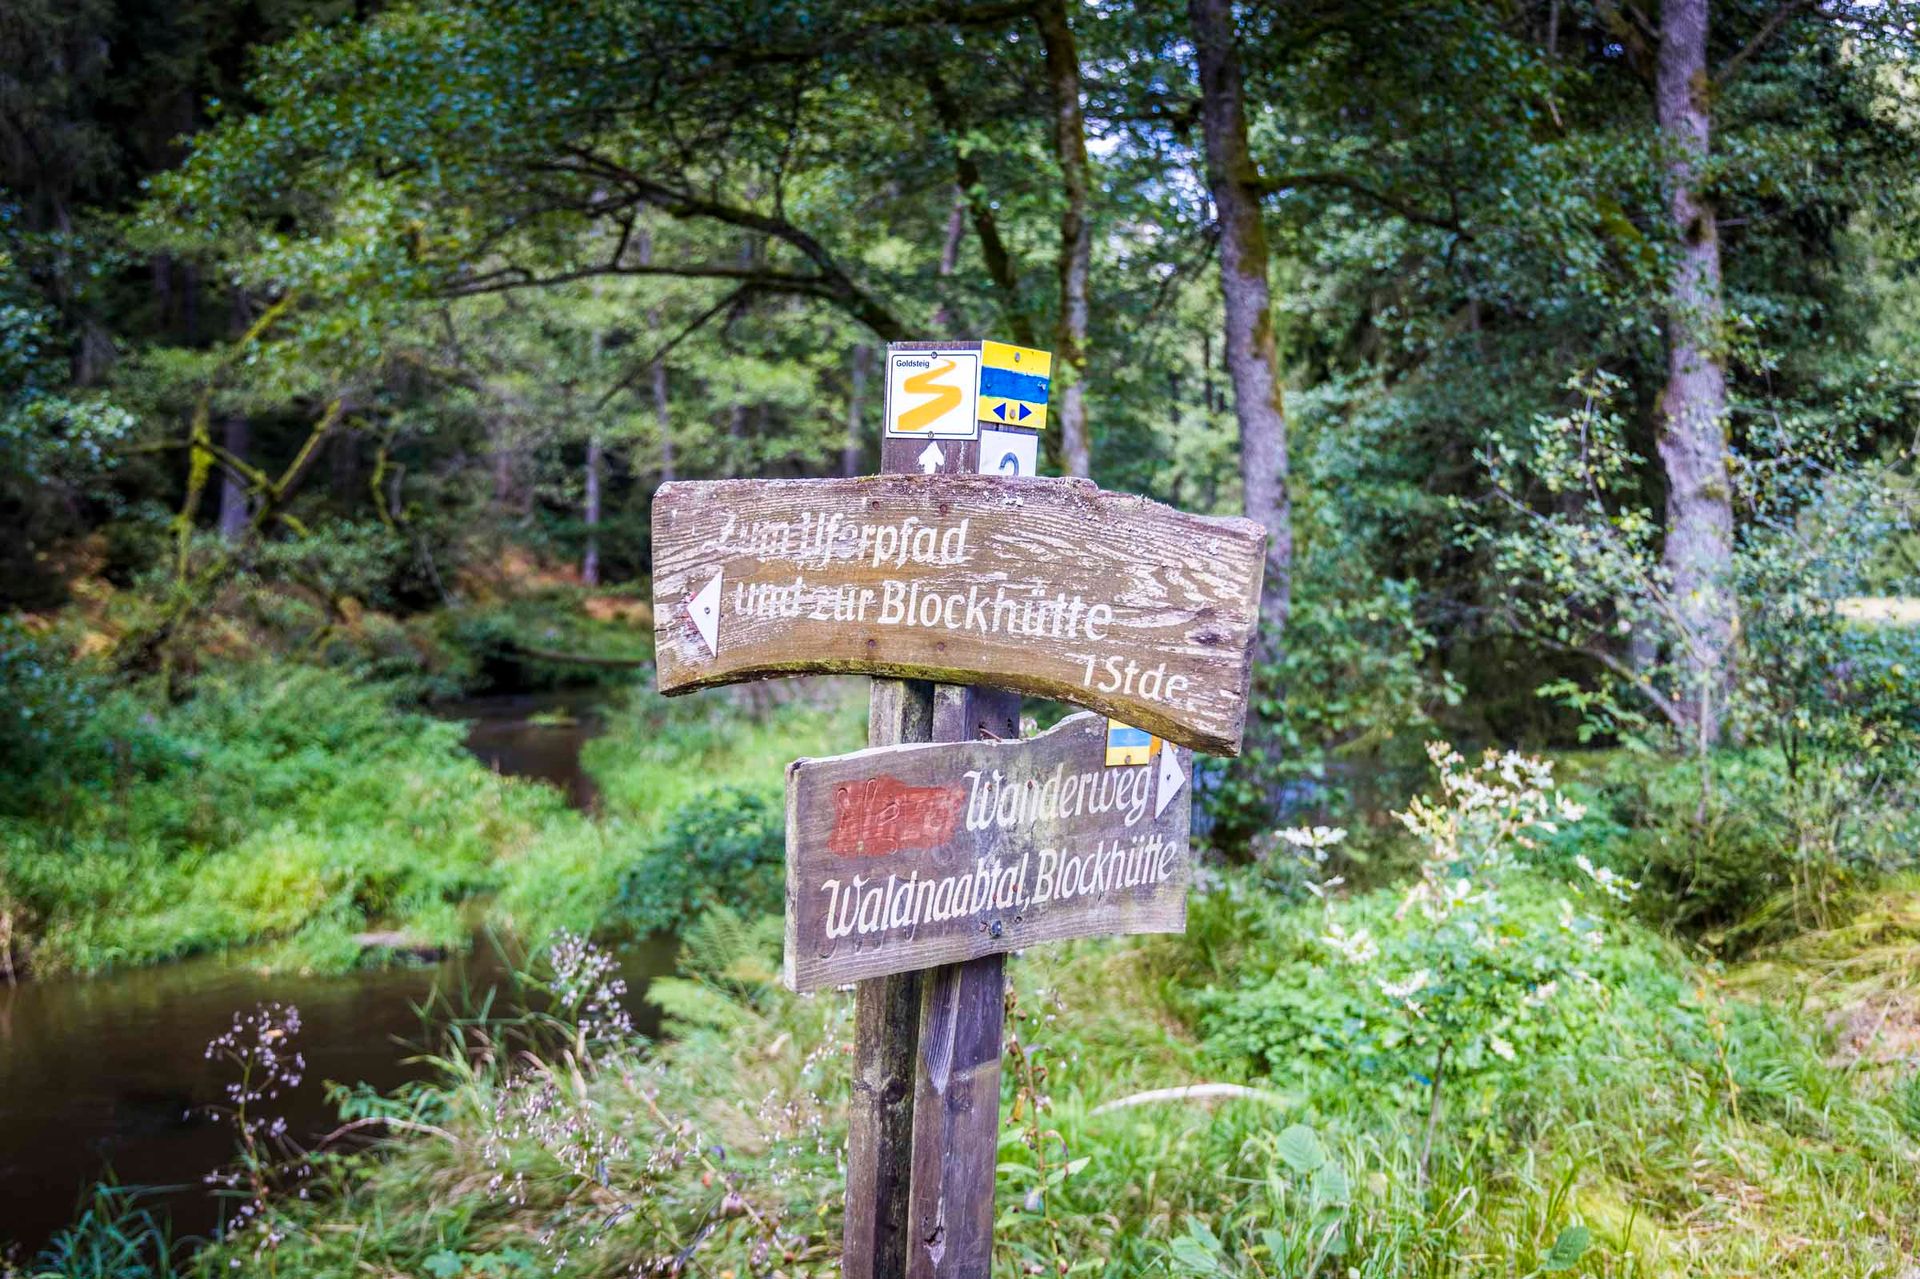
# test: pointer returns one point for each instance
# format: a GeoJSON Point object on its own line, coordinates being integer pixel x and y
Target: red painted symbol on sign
{"type": "Point", "coordinates": [882, 815]}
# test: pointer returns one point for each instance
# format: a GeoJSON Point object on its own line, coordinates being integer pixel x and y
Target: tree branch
{"type": "Point", "coordinates": [660, 353]}
{"type": "Point", "coordinates": [508, 278]}
{"type": "Point", "coordinates": [1345, 182]}
{"type": "Point", "coordinates": [1767, 31]}
{"type": "Point", "coordinates": [832, 283]}
{"type": "Point", "coordinates": [993, 249]}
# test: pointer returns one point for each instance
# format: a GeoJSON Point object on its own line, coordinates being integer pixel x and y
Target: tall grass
{"type": "Point", "coordinates": [1682, 1131]}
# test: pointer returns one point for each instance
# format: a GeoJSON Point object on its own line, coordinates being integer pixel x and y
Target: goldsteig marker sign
{"type": "Point", "coordinates": [1049, 587]}
{"type": "Point", "coordinates": [904, 857]}
{"type": "Point", "coordinates": [959, 582]}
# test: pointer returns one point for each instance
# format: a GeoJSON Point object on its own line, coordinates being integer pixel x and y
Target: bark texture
{"type": "Point", "coordinates": [663, 414]}
{"type": "Point", "coordinates": [1693, 407]}
{"type": "Point", "coordinates": [590, 562]}
{"type": "Point", "coordinates": [236, 504]}
{"type": "Point", "coordinates": [1251, 357]}
{"type": "Point", "coordinates": [1069, 410]}
{"type": "Point", "coordinates": [658, 373]}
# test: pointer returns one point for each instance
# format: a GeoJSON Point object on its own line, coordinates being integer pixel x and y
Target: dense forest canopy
{"type": "Point", "coordinates": [1588, 318]}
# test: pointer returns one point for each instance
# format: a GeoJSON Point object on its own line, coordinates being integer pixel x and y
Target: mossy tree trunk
{"type": "Point", "coordinates": [1251, 356]}
{"type": "Point", "coordinates": [1693, 407]}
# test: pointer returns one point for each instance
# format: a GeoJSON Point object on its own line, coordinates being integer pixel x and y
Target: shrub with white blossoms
{"type": "Point", "coordinates": [1456, 983]}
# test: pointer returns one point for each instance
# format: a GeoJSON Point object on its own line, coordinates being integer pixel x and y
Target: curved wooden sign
{"type": "Point", "coordinates": [905, 857]}
{"type": "Point", "coordinates": [1048, 587]}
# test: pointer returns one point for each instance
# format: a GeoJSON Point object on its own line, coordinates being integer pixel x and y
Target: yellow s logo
{"type": "Point", "coordinates": [945, 398]}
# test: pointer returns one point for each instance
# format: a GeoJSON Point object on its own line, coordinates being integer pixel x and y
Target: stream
{"type": "Point", "coordinates": [107, 1075]}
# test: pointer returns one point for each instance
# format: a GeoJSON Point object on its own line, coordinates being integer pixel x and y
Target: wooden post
{"type": "Point", "coordinates": [924, 1132]}
{"type": "Point", "coordinates": [929, 577]}
{"type": "Point", "coordinates": [886, 1030]}
{"type": "Point", "coordinates": [956, 1101]}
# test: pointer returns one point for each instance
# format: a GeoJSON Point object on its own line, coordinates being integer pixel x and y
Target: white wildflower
{"type": "Point", "coordinates": [1607, 880]}
{"type": "Point", "coordinates": [1356, 948]}
{"type": "Point", "coordinates": [1408, 988]}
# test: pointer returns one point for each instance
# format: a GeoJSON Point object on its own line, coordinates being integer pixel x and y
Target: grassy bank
{"type": "Point", "coordinates": [285, 809]}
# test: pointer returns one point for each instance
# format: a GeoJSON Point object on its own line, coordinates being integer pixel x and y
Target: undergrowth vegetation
{"type": "Point", "coordinates": [1257, 1097]}
{"type": "Point", "coordinates": [1668, 1127]}
{"type": "Point", "coordinates": [295, 808]}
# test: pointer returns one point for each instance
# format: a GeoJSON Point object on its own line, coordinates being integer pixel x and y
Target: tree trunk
{"type": "Point", "coordinates": [343, 465]}
{"type": "Point", "coordinates": [1076, 239]}
{"type": "Point", "coordinates": [236, 504]}
{"type": "Point", "coordinates": [500, 450]}
{"type": "Point", "coordinates": [1251, 358]}
{"type": "Point", "coordinates": [662, 413]}
{"type": "Point", "coordinates": [856, 446]}
{"type": "Point", "coordinates": [1693, 407]}
{"type": "Point", "coordinates": [644, 251]}
{"type": "Point", "coordinates": [970, 184]}
{"type": "Point", "coordinates": [943, 320]}
{"type": "Point", "coordinates": [590, 561]}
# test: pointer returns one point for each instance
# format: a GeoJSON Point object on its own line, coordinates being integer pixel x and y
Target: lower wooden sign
{"type": "Point", "coordinates": [905, 857]}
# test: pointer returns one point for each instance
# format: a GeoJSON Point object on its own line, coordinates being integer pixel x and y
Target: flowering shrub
{"type": "Point", "coordinates": [259, 1049]}
{"type": "Point", "coordinates": [586, 989]}
{"type": "Point", "coordinates": [1458, 974]}
{"type": "Point", "coordinates": [580, 1133]}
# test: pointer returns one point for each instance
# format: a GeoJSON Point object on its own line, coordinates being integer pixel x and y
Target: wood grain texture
{"type": "Point", "coordinates": [886, 1034]}
{"type": "Point", "coordinates": [1048, 587]}
{"type": "Point", "coordinates": [956, 1104]}
{"type": "Point", "coordinates": [911, 856]}
{"type": "Point", "coordinates": [956, 1120]}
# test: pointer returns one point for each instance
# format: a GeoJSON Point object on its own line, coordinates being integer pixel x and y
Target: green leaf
{"type": "Point", "coordinates": [444, 1264]}
{"type": "Point", "coordinates": [1299, 1146]}
{"type": "Point", "coordinates": [1568, 1249]}
{"type": "Point", "coordinates": [1330, 1189]}
{"type": "Point", "coordinates": [1199, 1251]}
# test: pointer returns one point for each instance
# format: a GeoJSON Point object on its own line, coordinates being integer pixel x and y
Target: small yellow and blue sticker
{"type": "Point", "coordinates": [1128, 746]}
{"type": "Point", "coordinates": [1014, 381]}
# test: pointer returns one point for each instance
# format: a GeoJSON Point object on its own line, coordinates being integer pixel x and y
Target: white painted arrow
{"type": "Point", "coordinates": [705, 607]}
{"type": "Point", "coordinates": [931, 458]}
{"type": "Point", "coordinates": [1171, 779]}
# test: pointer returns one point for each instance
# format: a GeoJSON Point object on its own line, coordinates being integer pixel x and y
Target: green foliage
{"type": "Point", "coordinates": [56, 438]}
{"type": "Point", "coordinates": [278, 803]}
{"type": "Point", "coordinates": [1610, 1151]}
{"type": "Point", "coordinates": [725, 848]}
{"type": "Point", "coordinates": [47, 707]}
{"type": "Point", "coordinates": [113, 1236]}
{"type": "Point", "coordinates": [1748, 846]}
{"type": "Point", "coordinates": [1346, 703]}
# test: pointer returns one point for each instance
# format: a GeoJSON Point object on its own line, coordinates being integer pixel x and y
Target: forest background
{"type": "Point", "coordinates": [1570, 353]}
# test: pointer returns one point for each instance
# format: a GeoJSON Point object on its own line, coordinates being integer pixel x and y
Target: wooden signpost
{"type": "Point", "coordinates": [1049, 587]}
{"type": "Point", "coordinates": [960, 583]}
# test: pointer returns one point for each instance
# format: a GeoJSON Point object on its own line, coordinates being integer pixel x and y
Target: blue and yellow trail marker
{"type": "Point", "coordinates": [1128, 746]}
{"type": "Point", "coordinates": [1014, 381]}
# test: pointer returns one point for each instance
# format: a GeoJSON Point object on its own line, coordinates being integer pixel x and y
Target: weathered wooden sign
{"type": "Point", "coordinates": [1048, 587]}
{"type": "Point", "coordinates": [906, 857]}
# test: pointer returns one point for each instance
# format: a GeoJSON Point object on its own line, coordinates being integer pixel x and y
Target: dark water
{"type": "Point", "coordinates": [537, 735]}
{"type": "Point", "coordinates": [108, 1074]}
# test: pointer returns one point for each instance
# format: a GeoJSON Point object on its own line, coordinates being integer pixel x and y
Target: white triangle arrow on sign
{"type": "Point", "coordinates": [705, 607]}
{"type": "Point", "coordinates": [1171, 779]}
{"type": "Point", "coordinates": [931, 459]}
